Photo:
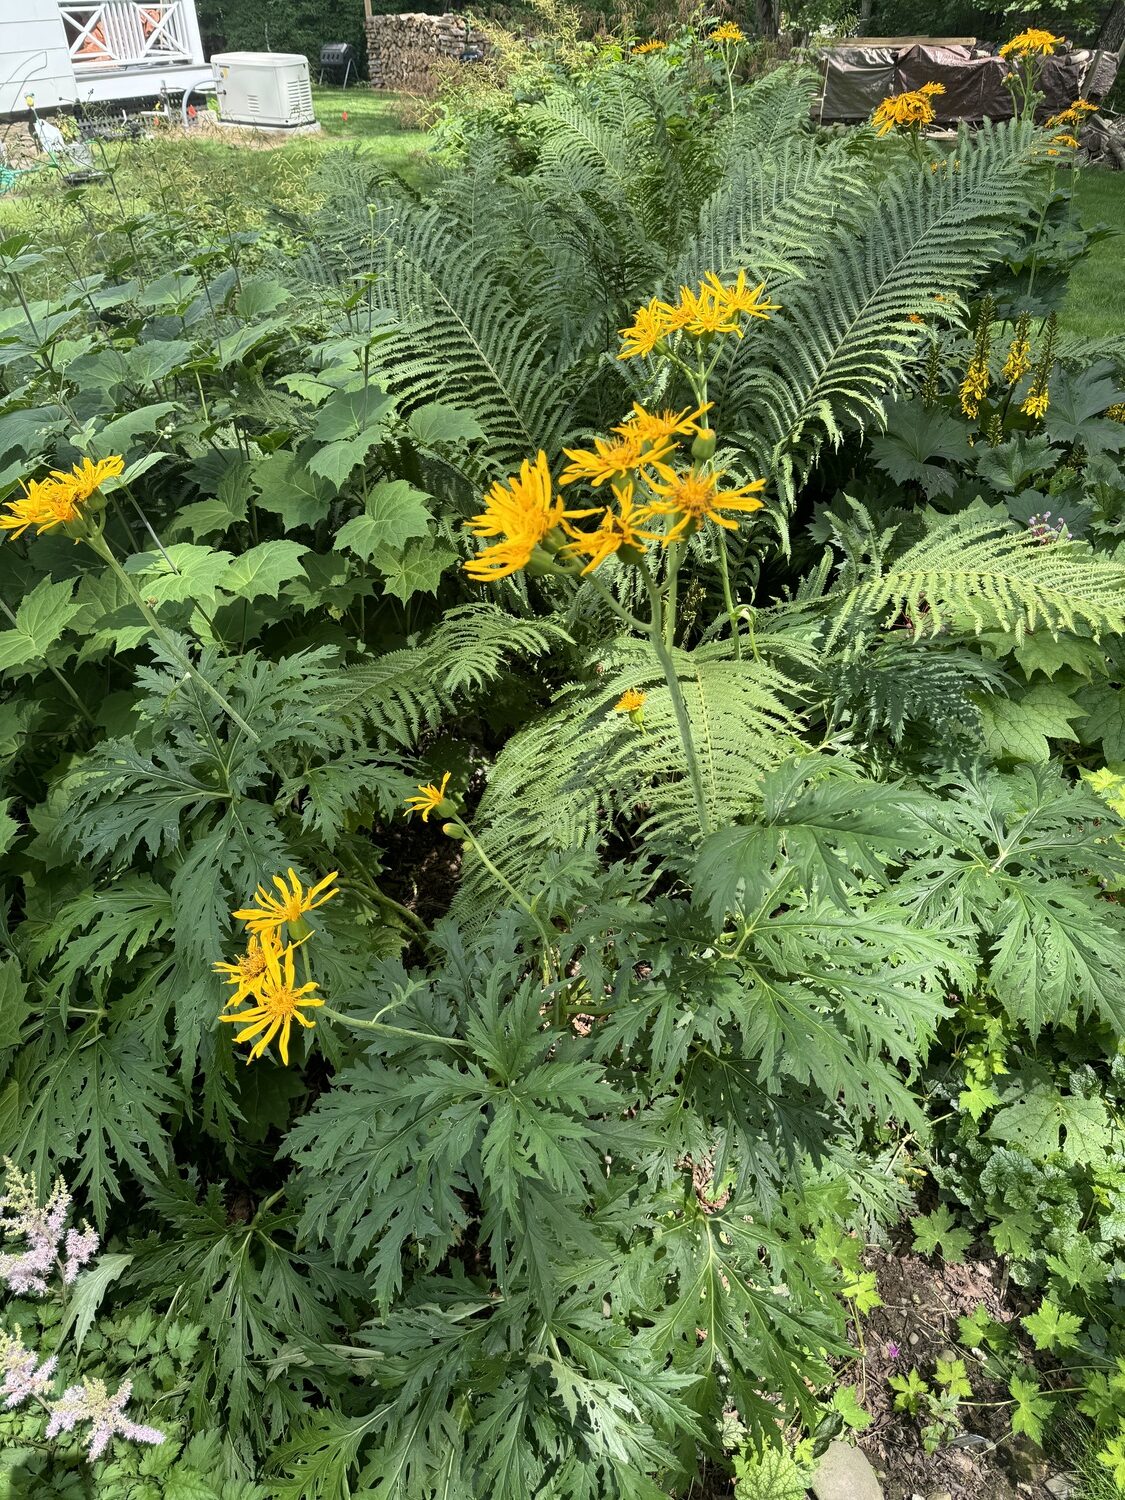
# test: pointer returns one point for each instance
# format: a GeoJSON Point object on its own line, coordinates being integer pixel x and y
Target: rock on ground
{"type": "Point", "coordinates": [845, 1474]}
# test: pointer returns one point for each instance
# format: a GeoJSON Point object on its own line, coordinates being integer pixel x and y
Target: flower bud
{"type": "Point", "coordinates": [453, 830]}
{"type": "Point", "coordinates": [704, 445]}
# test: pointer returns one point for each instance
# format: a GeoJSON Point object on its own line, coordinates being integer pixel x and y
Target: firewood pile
{"type": "Point", "coordinates": [1103, 141]}
{"type": "Point", "coordinates": [402, 50]}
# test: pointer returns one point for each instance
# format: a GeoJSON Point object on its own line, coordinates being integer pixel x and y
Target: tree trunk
{"type": "Point", "coordinates": [769, 18]}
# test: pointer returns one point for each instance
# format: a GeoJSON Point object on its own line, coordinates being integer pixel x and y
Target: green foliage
{"type": "Point", "coordinates": [627, 1047]}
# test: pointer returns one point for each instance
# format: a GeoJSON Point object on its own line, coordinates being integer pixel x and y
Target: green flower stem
{"type": "Point", "coordinates": [367, 886]}
{"type": "Point", "coordinates": [521, 901]}
{"type": "Point", "coordinates": [673, 590]}
{"type": "Point", "coordinates": [97, 544]}
{"type": "Point", "coordinates": [384, 1026]}
{"type": "Point", "coordinates": [683, 722]}
{"type": "Point", "coordinates": [59, 678]}
{"type": "Point", "coordinates": [728, 597]}
{"type": "Point", "coordinates": [618, 608]}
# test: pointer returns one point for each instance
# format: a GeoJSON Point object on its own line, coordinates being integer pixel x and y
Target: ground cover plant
{"type": "Point", "coordinates": [562, 759]}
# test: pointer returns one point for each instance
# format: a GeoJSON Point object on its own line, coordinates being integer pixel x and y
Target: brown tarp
{"type": "Point", "coordinates": [856, 78]}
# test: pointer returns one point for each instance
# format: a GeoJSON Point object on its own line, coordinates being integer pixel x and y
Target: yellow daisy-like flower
{"type": "Point", "coordinates": [1065, 139]}
{"type": "Point", "coordinates": [428, 798]}
{"type": "Point", "coordinates": [271, 913]}
{"type": "Point", "coordinates": [630, 701]}
{"type": "Point", "coordinates": [906, 111]}
{"type": "Point", "coordinates": [727, 32]}
{"type": "Point", "coordinates": [611, 460]}
{"type": "Point", "coordinates": [659, 427]}
{"type": "Point", "coordinates": [1018, 362]}
{"type": "Point", "coordinates": [737, 297]}
{"type": "Point", "coordinates": [1036, 402]}
{"type": "Point", "coordinates": [1116, 412]}
{"type": "Point", "coordinates": [46, 504]}
{"type": "Point", "coordinates": [701, 314]}
{"type": "Point", "coordinates": [652, 323]}
{"type": "Point", "coordinates": [974, 387]}
{"type": "Point", "coordinates": [86, 477]}
{"type": "Point", "coordinates": [279, 1003]}
{"type": "Point", "coordinates": [695, 497]}
{"type": "Point", "coordinates": [1073, 114]}
{"type": "Point", "coordinates": [915, 318]}
{"type": "Point", "coordinates": [523, 511]}
{"type": "Point", "coordinates": [1032, 43]}
{"type": "Point", "coordinates": [614, 531]}
{"type": "Point", "coordinates": [645, 47]}
{"type": "Point", "coordinates": [245, 974]}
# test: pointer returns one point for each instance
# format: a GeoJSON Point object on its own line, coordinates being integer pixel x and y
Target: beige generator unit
{"type": "Point", "coordinates": [270, 89]}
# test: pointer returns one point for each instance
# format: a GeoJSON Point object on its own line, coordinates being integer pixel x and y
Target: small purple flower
{"type": "Point", "coordinates": [893, 1351]}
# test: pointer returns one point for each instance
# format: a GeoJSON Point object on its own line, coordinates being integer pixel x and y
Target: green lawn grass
{"type": "Point", "coordinates": [1095, 300]}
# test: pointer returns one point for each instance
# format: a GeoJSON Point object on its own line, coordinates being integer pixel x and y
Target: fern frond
{"type": "Point", "coordinates": [975, 573]}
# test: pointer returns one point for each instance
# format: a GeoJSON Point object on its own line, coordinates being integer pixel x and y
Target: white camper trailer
{"type": "Point", "coordinates": [97, 51]}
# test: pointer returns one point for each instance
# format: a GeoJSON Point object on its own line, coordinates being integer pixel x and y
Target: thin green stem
{"type": "Point", "coordinates": [417, 1036]}
{"type": "Point", "coordinates": [618, 608]}
{"type": "Point", "coordinates": [97, 543]}
{"type": "Point", "coordinates": [679, 707]}
{"type": "Point", "coordinates": [728, 597]}
{"type": "Point", "coordinates": [673, 590]}
{"type": "Point", "coordinates": [59, 678]}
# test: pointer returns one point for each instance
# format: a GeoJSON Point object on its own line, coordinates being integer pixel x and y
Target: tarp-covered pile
{"type": "Point", "coordinates": [856, 76]}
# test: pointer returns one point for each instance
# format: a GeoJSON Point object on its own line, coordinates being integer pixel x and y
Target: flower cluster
{"type": "Point", "coordinates": [729, 31]}
{"type": "Point", "coordinates": [91, 1402]}
{"type": "Point", "coordinates": [1018, 362]}
{"type": "Point", "coordinates": [909, 111]}
{"type": "Point", "coordinates": [1036, 401]}
{"type": "Point", "coordinates": [531, 519]}
{"type": "Point", "coordinates": [58, 501]}
{"type": "Point", "coordinates": [23, 1376]}
{"type": "Point", "coordinates": [974, 387]}
{"type": "Point", "coordinates": [1046, 531]}
{"type": "Point", "coordinates": [715, 308]}
{"type": "Point", "coordinates": [643, 48]}
{"type": "Point", "coordinates": [1074, 114]}
{"type": "Point", "coordinates": [41, 1229]}
{"type": "Point", "coordinates": [1116, 412]}
{"type": "Point", "coordinates": [265, 975]}
{"type": "Point", "coordinates": [1032, 43]}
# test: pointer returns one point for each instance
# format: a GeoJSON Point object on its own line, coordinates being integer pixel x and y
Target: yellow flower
{"type": "Point", "coordinates": [915, 318]}
{"type": "Point", "coordinates": [279, 1001]}
{"type": "Point", "coordinates": [727, 32]}
{"type": "Point", "coordinates": [1116, 412]}
{"type": "Point", "coordinates": [630, 701]}
{"type": "Point", "coordinates": [86, 477]}
{"type": "Point", "coordinates": [45, 504]}
{"type": "Point", "coordinates": [1036, 403]}
{"type": "Point", "coordinates": [428, 798]}
{"type": "Point", "coordinates": [247, 970]}
{"type": "Point", "coordinates": [737, 297]}
{"type": "Point", "coordinates": [694, 498]}
{"type": "Point", "coordinates": [522, 510]}
{"type": "Point", "coordinates": [613, 460]}
{"type": "Point", "coordinates": [659, 427]}
{"type": "Point", "coordinates": [906, 111]}
{"type": "Point", "coordinates": [974, 387]}
{"type": "Point", "coordinates": [639, 51]}
{"type": "Point", "coordinates": [1032, 43]}
{"type": "Point", "coordinates": [1018, 362]}
{"type": "Point", "coordinates": [652, 323]}
{"type": "Point", "coordinates": [1066, 140]}
{"type": "Point", "coordinates": [271, 914]}
{"type": "Point", "coordinates": [1073, 114]}
{"type": "Point", "coordinates": [700, 314]}
{"type": "Point", "coordinates": [613, 532]}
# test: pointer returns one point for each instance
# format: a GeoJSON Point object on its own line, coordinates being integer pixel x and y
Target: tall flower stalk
{"type": "Point", "coordinates": [657, 492]}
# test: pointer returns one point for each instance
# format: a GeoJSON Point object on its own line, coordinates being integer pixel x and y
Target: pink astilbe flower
{"type": "Point", "coordinates": [91, 1402]}
{"type": "Point", "coordinates": [81, 1246]}
{"type": "Point", "coordinates": [23, 1375]}
{"type": "Point", "coordinates": [42, 1228]}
